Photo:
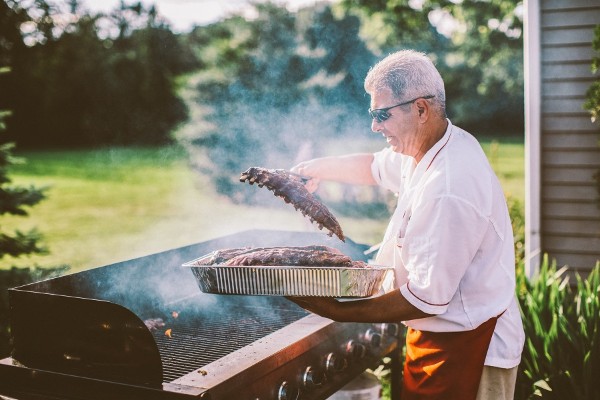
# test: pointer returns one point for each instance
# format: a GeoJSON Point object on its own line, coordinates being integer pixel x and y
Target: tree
{"type": "Point", "coordinates": [91, 79]}
{"type": "Point", "coordinates": [488, 55]}
{"type": "Point", "coordinates": [389, 25]}
{"type": "Point", "coordinates": [273, 88]}
{"type": "Point", "coordinates": [13, 200]}
{"type": "Point", "coordinates": [343, 58]}
{"type": "Point", "coordinates": [592, 103]}
{"type": "Point", "coordinates": [477, 46]}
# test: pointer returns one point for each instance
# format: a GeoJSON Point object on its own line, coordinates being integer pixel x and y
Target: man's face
{"type": "Point", "coordinates": [400, 129]}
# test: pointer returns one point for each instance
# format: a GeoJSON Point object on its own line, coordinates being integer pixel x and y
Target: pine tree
{"type": "Point", "coordinates": [13, 200]}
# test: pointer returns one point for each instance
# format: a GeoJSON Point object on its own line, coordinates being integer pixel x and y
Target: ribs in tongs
{"type": "Point", "coordinates": [290, 187]}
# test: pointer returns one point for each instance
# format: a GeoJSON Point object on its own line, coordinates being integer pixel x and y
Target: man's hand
{"type": "Point", "coordinates": [323, 306]}
{"type": "Point", "coordinates": [305, 169]}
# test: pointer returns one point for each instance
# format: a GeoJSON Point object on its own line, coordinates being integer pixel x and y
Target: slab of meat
{"type": "Point", "coordinates": [281, 256]}
{"type": "Point", "coordinates": [291, 189]}
{"type": "Point", "coordinates": [222, 255]}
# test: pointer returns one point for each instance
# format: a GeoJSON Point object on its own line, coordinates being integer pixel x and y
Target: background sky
{"type": "Point", "coordinates": [184, 14]}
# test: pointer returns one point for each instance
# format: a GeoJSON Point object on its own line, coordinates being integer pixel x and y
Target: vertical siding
{"type": "Point", "coordinates": [570, 155]}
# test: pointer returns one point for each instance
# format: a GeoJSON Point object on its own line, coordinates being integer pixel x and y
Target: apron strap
{"type": "Point", "coordinates": [445, 365]}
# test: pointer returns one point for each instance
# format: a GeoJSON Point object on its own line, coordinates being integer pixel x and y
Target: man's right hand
{"type": "Point", "coordinates": [304, 169]}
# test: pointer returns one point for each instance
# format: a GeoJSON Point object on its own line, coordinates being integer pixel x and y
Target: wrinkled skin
{"type": "Point", "coordinates": [291, 189]}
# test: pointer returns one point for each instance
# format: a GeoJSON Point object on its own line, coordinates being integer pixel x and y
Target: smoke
{"type": "Point", "coordinates": [258, 135]}
{"type": "Point", "coordinates": [225, 138]}
{"type": "Point", "coordinates": [157, 286]}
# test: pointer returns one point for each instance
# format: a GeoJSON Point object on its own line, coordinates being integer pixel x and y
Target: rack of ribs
{"type": "Point", "coordinates": [290, 188]}
{"type": "Point", "coordinates": [280, 256]}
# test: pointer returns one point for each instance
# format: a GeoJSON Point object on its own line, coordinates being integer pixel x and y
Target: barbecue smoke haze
{"type": "Point", "coordinates": [158, 286]}
{"type": "Point", "coordinates": [262, 136]}
{"type": "Point", "coordinates": [242, 135]}
{"type": "Point", "coordinates": [252, 134]}
{"type": "Point", "coordinates": [151, 289]}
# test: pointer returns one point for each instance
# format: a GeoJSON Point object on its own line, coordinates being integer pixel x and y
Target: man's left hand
{"type": "Point", "coordinates": [323, 306]}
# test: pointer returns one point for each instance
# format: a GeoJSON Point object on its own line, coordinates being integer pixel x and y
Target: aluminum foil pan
{"type": "Point", "coordinates": [289, 280]}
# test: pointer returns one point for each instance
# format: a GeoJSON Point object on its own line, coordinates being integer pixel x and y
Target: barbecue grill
{"type": "Point", "coordinates": [141, 329]}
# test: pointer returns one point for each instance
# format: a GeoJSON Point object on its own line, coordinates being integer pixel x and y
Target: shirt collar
{"type": "Point", "coordinates": [428, 158]}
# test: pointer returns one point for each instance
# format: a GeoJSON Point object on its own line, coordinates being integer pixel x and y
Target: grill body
{"type": "Point", "coordinates": [87, 336]}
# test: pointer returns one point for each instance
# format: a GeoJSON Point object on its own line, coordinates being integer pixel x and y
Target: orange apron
{"type": "Point", "coordinates": [445, 365]}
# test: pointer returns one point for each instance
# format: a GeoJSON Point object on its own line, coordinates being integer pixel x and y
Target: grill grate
{"type": "Point", "coordinates": [197, 342]}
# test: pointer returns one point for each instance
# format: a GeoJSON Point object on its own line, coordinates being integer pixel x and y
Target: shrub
{"type": "Point", "coordinates": [561, 358]}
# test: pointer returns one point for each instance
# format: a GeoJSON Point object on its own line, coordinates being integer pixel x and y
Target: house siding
{"type": "Point", "coordinates": [569, 150]}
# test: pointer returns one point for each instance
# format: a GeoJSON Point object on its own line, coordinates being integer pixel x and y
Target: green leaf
{"type": "Point", "coordinates": [542, 384]}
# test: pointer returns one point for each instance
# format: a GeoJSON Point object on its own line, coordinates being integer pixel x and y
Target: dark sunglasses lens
{"type": "Point", "coordinates": [380, 115]}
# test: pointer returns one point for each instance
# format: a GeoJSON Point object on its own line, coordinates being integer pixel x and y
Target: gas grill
{"type": "Point", "coordinates": [141, 329]}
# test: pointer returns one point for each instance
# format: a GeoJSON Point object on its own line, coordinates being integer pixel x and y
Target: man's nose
{"type": "Point", "coordinates": [375, 126]}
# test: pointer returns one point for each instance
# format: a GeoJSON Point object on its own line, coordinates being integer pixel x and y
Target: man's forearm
{"type": "Point", "coordinates": [352, 168]}
{"type": "Point", "coordinates": [390, 307]}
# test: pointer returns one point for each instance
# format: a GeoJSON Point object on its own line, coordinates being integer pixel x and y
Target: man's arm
{"type": "Point", "coordinates": [390, 307]}
{"type": "Point", "coordinates": [352, 169]}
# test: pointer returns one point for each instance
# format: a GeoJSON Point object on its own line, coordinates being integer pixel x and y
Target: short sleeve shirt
{"type": "Point", "coordinates": [451, 243]}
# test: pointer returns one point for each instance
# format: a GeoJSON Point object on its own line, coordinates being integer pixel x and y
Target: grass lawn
{"type": "Point", "coordinates": [109, 205]}
{"type": "Point", "coordinates": [507, 157]}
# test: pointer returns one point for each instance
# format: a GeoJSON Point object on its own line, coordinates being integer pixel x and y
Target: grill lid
{"type": "Point", "coordinates": [84, 337]}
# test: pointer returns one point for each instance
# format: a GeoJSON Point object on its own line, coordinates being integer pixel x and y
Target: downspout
{"type": "Point", "coordinates": [533, 162]}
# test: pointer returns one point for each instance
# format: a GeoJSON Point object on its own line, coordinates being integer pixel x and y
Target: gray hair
{"type": "Point", "coordinates": [408, 74]}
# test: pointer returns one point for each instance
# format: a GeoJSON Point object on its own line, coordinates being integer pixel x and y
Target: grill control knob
{"type": "Point", "coordinates": [373, 338]}
{"type": "Point", "coordinates": [334, 363]}
{"type": "Point", "coordinates": [389, 330]}
{"type": "Point", "coordinates": [355, 350]}
{"type": "Point", "coordinates": [287, 391]}
{"type": "Point", "coordinates": [313, 377]}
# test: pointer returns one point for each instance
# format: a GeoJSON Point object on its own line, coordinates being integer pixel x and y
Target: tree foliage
{"type": "Point", "coordinates": [477, 46]}
{"type": "Point", "coordinates": [270, 88]}
{"type": "Point", "coordinates": [276, 86]}
{"type": "Point", "coordinates": [592, 103]}
{"type": "Point", "coordinates": [15, 200]}
{"type": "Point", "coordinates": [94, 79]}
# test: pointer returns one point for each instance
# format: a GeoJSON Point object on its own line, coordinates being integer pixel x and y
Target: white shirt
{"type": "Point", "coordinates": [451, 242]}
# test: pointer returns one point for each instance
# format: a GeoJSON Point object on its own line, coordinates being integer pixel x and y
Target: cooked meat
{"type": "Point", "coordinates": [281, 256]}
{"type": "Point", "coordinates": [291, 189]}
{"type": "Point", "coordinates": [222, 255]}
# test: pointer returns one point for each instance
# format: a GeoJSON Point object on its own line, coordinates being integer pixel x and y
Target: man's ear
{"type": "Point", "coordinates": [422, 105]}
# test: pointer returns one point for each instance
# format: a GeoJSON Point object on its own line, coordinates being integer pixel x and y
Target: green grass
{"type": "Point", "coordinates": [507, 157]}
{"type": "Point", "coordinates": [109, 205]}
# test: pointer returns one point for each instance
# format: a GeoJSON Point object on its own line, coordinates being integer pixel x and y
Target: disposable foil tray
{"type": "Point", "coordinates": [290, 280]}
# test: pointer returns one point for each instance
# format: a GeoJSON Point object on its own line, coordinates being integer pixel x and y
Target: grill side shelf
{"type": "Point", "coordinates": [87, 337]}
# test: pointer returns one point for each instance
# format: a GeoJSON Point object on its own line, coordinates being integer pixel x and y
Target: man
{"type": "Point", "coordinates": [450, 240]}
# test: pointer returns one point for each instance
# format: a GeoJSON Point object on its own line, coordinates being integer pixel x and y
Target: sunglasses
{"type": "Point", "coordinates": [382, 114]}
